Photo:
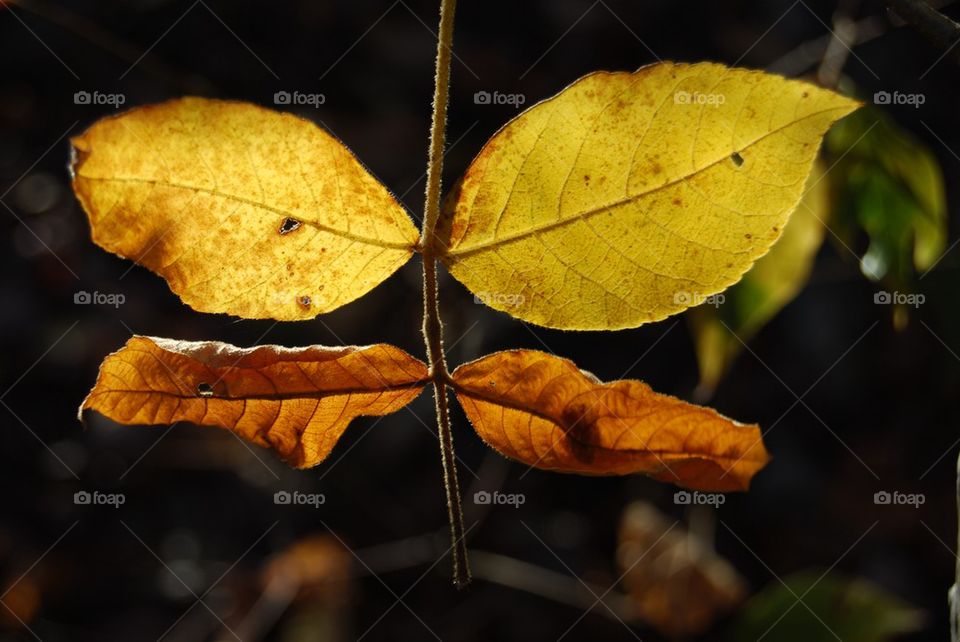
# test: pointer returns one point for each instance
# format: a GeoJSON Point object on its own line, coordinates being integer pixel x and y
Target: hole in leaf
{"type": "Point", "coordinates": [737, 159]}
{"type": "Point", "coordinates": [204, 389]}
{"type": "Point", "coordinates": [304, 301]}
{"type": "Point", "coordinates": [289, 225]}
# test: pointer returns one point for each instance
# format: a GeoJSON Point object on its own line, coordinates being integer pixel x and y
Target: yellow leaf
{"type": "Point", "coordinates": [773, 282]}
{"type": "Point", "coordinates": [241, 209]}
{"type": "Point", "coordinates": [297, 401]}
{"type": "Point", "coordinates": [545, 412]}
{"type": "Point", "coordinates": [628, 197]}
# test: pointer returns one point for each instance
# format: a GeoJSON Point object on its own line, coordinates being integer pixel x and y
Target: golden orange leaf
{"type": "Point", "coordinates": [242, 209]}
{"type": "Point", "coordinates": [545, 412]}
{"type": "Point", "coordinates": [297, 401]}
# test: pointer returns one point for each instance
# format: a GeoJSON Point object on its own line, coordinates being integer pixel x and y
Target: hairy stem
{"type": "Point", "coordinates": [432, 325]}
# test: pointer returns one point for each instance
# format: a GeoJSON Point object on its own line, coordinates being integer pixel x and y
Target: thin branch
{"type": "Point", "coordinates": [954, 593]}
{"type": "Point", "coordinates": [942, 32]}
{"type": "Point", "coordinates": [432, 325]}
{"type": "Point", "coordinates": [560, 588]}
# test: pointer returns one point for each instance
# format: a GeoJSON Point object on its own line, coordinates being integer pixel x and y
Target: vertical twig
{"type": "Point", "coordinates": [954, 594]}
{"type": "Point", "coordinates": [432, 325]}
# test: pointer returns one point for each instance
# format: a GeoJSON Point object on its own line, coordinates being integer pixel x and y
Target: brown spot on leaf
{"type": "Point", "coordinates": [304, 302]}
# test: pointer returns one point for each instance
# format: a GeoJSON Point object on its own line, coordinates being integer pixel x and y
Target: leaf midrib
{"type": "Point", "coordinates": [547, 227]}
{"type": "Point", "coordinates": [263, 206]}
{"type": "Point", "coordinates": [316, 394]}
{"type": "Point", "coordinates": [463, 389]}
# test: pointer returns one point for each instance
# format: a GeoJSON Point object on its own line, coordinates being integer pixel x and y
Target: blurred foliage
{"type": "Point", "coordinates": [675, 581]}
{"type": "Point", "coordinates": [773, 282]}
{"type": "Point", "coordinates": [877, 180]}
{"type": "Point", "coordinates": [315, 576]}
{"type": "Point", "coordinates": [888, 185]}
{"type": "Point", "coordinates": [808, 606]}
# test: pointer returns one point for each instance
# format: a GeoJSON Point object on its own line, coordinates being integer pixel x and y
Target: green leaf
{"type": "Point", "coordinates": [850, 609]}
{"type": "Point", "coordinates": [888, 185]}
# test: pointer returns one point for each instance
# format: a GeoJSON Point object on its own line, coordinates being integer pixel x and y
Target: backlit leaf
{"type": "Point", "coordinates": [543, 411]}
{"type": "Point", "coordinates": [297, 401]}
{"type": "Point", "coordinates": [241, 209]}
{"type": "Point", "coordinates": [630, 196]}
{"type": "Point", "coordinates": [773, 282]}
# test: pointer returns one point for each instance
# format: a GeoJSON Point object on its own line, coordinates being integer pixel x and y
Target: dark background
{"type": "Point", "coordinates": [198, 499]}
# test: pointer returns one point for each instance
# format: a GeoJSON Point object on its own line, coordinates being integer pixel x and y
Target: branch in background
{"type": "Point", "coordinates": [799, 60]}
{"type": "Point", "coordinates": [942, 32]}
{"type": "Point", "coordinates": [564, 589]}
{"type": "Point", "coordinates": [843, 36]}
{"type": "Point", "coordinates": [954, 594]}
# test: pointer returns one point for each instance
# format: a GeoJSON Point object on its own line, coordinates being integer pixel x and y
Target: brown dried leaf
{"type": "Point", "coordinates": [676, 582]}
{"type": "Point", "coordinates": [297, 401]}
{"type": "Point", "coordinates": [545, 412]}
